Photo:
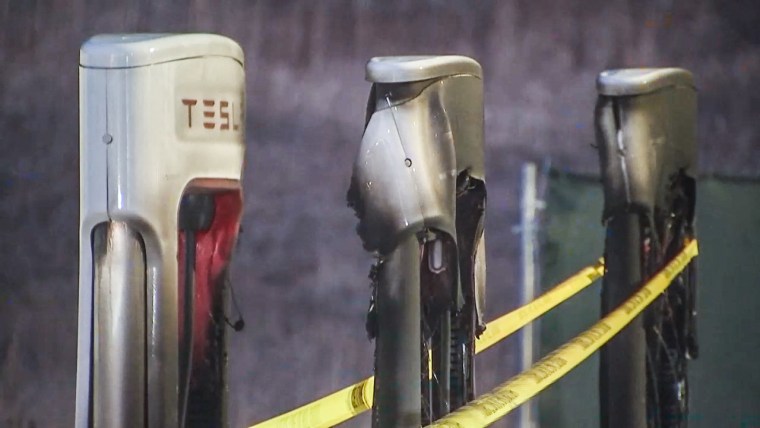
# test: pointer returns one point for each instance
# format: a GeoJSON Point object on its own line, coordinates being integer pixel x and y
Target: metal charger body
{"type": "Point", "coordinates": [161, 117]}
{"type": "Point", "coordinates": [419, 180]}
{"type": "Point", "coordinates": [646, 131]}
{"type": "Point", "coordinates": [645, 126]}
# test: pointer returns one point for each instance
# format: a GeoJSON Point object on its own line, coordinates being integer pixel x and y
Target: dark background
{"type": "Point", "coordinates": [300, 273]}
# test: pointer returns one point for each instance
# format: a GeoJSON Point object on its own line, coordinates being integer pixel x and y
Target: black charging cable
{"type": "Point", "coordinates": [196, 212]}
{"type": "Point", "coordinates": [239, 324]}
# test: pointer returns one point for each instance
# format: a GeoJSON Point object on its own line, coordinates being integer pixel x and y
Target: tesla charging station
{"type": "Point", "coordinates": [161, 157]}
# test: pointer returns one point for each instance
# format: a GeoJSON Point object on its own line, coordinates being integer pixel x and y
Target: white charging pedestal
{"type": "Point", "coordinates": [161, 116]}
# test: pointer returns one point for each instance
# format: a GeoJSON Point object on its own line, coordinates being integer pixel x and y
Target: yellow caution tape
{"type": "Point", "coordinates": [328, 411]}
{"type": "Point", "coordinates": [505, 325]}
{"type": "Point", "coordinates": [492, 406]}
{"type": "Point", "coordinates": [342, 405]}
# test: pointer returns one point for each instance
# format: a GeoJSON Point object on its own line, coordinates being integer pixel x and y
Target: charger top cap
{"type": "Point", "coordinates": [138, 50]}
{"type": "Point", "coordinates": [639, 81]}
{"type": "Point", "coordinates": [399, 69]}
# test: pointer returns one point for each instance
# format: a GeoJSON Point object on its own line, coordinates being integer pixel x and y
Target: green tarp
{"type": "Point", "coordinates": [725, 379]}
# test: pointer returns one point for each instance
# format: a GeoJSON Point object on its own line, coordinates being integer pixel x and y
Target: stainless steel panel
{"type": "Point", "coordinates": [118, 398]}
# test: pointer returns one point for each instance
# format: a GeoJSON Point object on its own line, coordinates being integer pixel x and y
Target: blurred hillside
{"type": "Point", "coordinates": [299, 273]}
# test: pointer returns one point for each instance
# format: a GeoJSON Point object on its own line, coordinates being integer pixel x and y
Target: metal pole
{"type": "Point", "coordinates": [398, 358]}
{"type": "Point", "coordinates": [528, 207]}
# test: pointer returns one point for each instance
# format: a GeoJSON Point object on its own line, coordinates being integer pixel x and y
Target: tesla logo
{"type": "Point", "coordinates": [223, 115]}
